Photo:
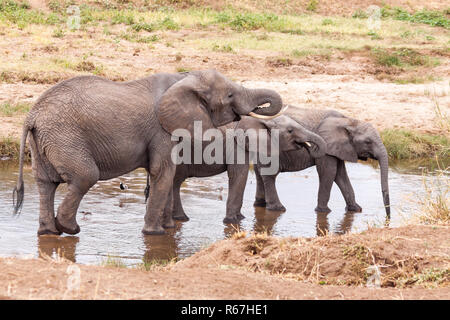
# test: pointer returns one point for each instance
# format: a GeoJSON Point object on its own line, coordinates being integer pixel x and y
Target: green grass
{"type": "Point", "coordinates": [405, 144]}
{"type": "Point", "coordinates": [112, 261]}
{"type": "Point", "coordinates": [435, 203]}
{"type": "Point", "coordinates": [8, 109]}
{"type": "Point", "coordinates": [151, 264]}
{"type": "Point", "coordinates": [417, 79]}
{"type": "Point", "coordinates": [10, 148]}
{"type": "Point", "coordinates": [404, 57]}
{"type": "Point", "coordinates": [430, 17]}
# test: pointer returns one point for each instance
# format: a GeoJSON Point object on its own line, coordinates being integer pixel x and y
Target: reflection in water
{"type": "Point", "coordinates": [63, 247]}
{"type": "Point", "coordinates": [162, 247]}
{"type": "Point", "coordinates": [322, 224]}
{"type": "Point", "coordinates": [344, 226]}
{"type": "Point", "coordinates": [230, 229]}
{"type": "Point", "coordinates": [346, 223]}
{"type": "Point", "coordinates": [265, 220]}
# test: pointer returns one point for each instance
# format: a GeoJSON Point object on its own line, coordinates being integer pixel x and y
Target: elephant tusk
{"type": "Point", "coordinates": [308, 144]}
{"type": "Point", "coordinates": [260, 116]}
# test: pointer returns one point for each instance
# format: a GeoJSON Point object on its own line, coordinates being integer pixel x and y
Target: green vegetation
{"type": "Point", "coordinates": [433, 18]}
{"type": "Point", "coordinates": [403, 57]}
{"type": "Point", "coordinates": [223, 48]}
{"type": "Point", "coordinates": [10, 148]}
{"type": "Point", "coordinates": [406, 144]}
{"type": "Point", "coordinates": [112, 261]}
{"type": "Point", "coordinates": [7, 109]}
{"type": "Point", "coordinates": [435, 204]}
{"type": "Point", "coordinates": [312, 5]}
{"type": "Point", "coordinates": [58, 33]}
{"type": "Point", "coordinates": [430, 17]}
{"type": "Point", "coordinates": [151, 264]}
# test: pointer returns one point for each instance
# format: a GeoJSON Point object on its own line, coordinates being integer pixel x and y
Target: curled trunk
{"type": "Point", "coordinates": [319, 146]}
{"type": "Point", "coordinates": [257, 97]}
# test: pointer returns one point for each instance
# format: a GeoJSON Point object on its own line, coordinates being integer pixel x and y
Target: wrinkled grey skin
{"type": "Point", "coordinates": [88, 128]}
{"type": "Point", "coordinates": [292, 137]}
{"type": "Point", "coordinates": [347, 140]}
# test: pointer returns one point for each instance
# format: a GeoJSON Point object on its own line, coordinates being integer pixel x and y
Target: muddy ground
{"type": "Point", "coordinates": [413, 263]}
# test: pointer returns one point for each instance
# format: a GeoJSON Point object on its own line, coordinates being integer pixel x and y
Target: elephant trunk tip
{"type": "Point", "coordinates": [264, 117]}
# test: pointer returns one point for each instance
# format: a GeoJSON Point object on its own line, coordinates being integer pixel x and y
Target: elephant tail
{"type": "Point", "coordinates": [147, 188]}
{"type": "Point", "coordinates": [18, 192]}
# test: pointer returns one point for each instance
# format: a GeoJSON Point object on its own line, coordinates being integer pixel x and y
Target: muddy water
{"type": "Point", "coordinates": [111, 219]}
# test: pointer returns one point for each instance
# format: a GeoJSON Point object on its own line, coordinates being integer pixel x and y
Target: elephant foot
{"type": "Point", "coordinates": [46, 231]}
{"type": "Point", "coordinates": [151, 231]}
{"type": "Point", "coordinates": [276, 207]}
{"type": "Point", "coordinates": [169, 224]}
{"type": "Point", "coordinates": [66, 229]}
{"type": "Point", "coordinates": [231, 220]}
{"type": "Point", "coordinates": [322, 209]}
{"type": "Point", "coordinates": [180, 217]}
{"type": "Point", "coordinates": [259, 202]}
{"type": "Point", "coordinates": [353, 208]}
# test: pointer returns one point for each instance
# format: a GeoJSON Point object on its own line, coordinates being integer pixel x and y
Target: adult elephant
{"type": "Point", "coordinates": [292, 136]}
{"type": "Point", "coordinates": [347, 140]}
{"type": "Point", "coordinates": [89, 128]}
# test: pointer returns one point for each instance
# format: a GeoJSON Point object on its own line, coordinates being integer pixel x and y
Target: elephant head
{"type": "Point", "coordinates": [349, 139]}
{"type": "Point", "coordinates": [292, 135]}
{"type": "Point", "coordinates": [211, 98]}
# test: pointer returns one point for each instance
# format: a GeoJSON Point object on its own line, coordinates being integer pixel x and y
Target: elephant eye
{"type": "Point", "coordinates": [290, 130]}
{"type": "Point", "coordinates": [230, 95]}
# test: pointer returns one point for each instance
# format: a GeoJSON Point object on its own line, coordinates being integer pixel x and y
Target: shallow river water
{"type": "Point", "coordinates": [111, 219]}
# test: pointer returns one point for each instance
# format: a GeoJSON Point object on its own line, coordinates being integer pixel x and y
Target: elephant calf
{"type": "Point", "coordinates": [347, 140]}
{"type": "Point", "coordinates": [292, 136]}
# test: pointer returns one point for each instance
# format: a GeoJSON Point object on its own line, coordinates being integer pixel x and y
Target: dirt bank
{"type": "Point", "coordinates": [238, 269]}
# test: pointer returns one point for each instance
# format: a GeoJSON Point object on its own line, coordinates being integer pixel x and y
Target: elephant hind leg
{"type": "Point", "coordinates": [80, 174]}
{"type": "Point", "coordinates": [260, 196]}
{"type": "Point", "coordinates": [47, 191]}
{"type": "Point", "coordinates": [162, 172]}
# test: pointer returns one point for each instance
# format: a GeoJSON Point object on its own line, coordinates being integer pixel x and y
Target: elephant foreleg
{"type": "Point", "coordinates": [326, 168]}
{"type": "Point", "coordinates": [178, 211]}
{"type": "Point", "coordinates": [270, 190]}
{"type": "Point", "coordinates": [260, 197]}
{"type": "Point", "coordinates": [167, 215]}
{"type": "Point", "coordinates": [346, 188]}
{"type": "Point", "coordinates": [237, 179]}
{"type": "Point", "coordinates": [162, 172]}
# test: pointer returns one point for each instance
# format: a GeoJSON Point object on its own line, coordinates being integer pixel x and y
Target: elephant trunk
{"type": "Point", "coordinates": [382, 156]}
{"type": "Point", "coordinates": [319, 147]}
{"type": "Point", "coordinates": [258, 97]}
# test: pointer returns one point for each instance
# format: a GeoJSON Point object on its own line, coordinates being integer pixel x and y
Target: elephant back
{"type": "Point", "coordinates": [311, 118]}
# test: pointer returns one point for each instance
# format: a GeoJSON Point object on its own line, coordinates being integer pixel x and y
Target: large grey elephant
{"type": "Point", "coordinates": [292, 136]}
{"type": "Point", "coordinates": [89, 128]}
{"type": "Point", "coordinates": [347, 140]}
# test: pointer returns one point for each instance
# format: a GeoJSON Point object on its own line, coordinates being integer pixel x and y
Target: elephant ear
{"type": "Point", "coordinates": [261, 139]}
{"type": "Point", "coordinates": [184, 103]}
{"type": "Point", "coordinates": [337, 133]}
